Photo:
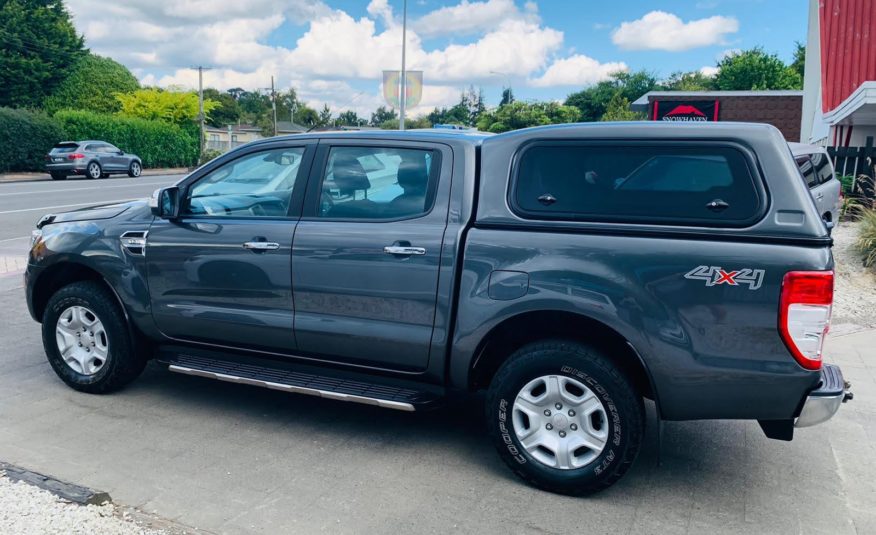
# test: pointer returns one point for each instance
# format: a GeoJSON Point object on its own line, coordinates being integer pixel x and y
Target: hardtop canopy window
{"type": "Point", "coordinates": [675, 184]}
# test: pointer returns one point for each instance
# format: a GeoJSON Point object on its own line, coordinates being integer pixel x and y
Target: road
{"type": "Point", "coordinates": [236, 459]}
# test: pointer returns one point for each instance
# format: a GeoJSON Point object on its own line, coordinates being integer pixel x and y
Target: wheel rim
{"type": "Point", "coordinates": [135, 169]}
{"type": "Point", "coordinates": [82, 340]}
{"type": "Point", "coordinates": [94, 171]}
{"type": "Point", "coordinates": [560, 422]}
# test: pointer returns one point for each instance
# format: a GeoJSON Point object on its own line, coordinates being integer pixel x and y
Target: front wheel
{"type": "Point", "coordinates": [87, 341]}
{"type": "Point", "coordinates": [135, 169]}
{"type": "Point", "coordinates": [564, 417]}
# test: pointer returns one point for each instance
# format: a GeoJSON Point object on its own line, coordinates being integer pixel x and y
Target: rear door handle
{"type": "Point", "coordinates": [261, 245]}
{"type": "Point", "coordinates": [404, 250]}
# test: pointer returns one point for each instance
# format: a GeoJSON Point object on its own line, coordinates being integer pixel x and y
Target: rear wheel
{"type": "Point", "coordinates": [564, 417]}
{"type": "Point", "coordinates": [135, 170]}
{"type": "Point", "coordinates": [94, 171]}
{"type": "Point", "coordinates": [87, 341]}
{"type": "Point", "coordinates": [58, 176]}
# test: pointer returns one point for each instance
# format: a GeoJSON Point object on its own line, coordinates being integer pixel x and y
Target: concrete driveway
{"type": "Point", "coordinates": [236, 459]}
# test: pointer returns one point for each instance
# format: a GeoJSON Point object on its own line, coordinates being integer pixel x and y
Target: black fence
{"type": "Point", "coordinates": [856, 167]}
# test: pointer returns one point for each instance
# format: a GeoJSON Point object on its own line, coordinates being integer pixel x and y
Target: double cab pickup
{"type": "Point", "coordinates": [571, 272]}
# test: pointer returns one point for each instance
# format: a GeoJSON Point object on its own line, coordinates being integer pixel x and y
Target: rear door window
{"type": "Point", "coordinates": [823, 168]}
{"type": "Point", "coordinates": [682, 184]}
{"type": "Point", "coordinates": [807, 170]}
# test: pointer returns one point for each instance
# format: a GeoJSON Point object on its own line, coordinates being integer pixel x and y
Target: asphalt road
{"type": "Point", "coordinates": [236, 459]}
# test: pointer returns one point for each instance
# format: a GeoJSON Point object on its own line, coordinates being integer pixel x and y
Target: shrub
{"type": "Point", "coordinates": [25, 138]}
{"type": "Point", "coordinates": [210, 154]}
{"type": "Point", "coordinates": [157, 143]}
{"type": "Point", "coordinates": [867, 236]}
{"type": "Point", "coordinates": [92, 85]}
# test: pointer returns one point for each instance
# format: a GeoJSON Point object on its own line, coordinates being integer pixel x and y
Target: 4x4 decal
{"type": "Point", "coordinates": [715, 275]}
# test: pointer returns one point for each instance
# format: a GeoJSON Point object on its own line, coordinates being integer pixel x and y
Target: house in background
{"type": "Point", "coordinates": [779, 108]}
{"type": "Point", "coordinates": [235, 135]}
{"type": "Point", "coordinates": [839, 102]}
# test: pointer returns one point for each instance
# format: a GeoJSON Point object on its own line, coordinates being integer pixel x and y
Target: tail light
{"type": "Point", "coordinates": [804, 314]}
{"type": "Point", "coordinates": [76, 156]}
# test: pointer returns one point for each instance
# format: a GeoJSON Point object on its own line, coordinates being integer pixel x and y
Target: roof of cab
{"type": "Point", "coordinates": [425, 134]}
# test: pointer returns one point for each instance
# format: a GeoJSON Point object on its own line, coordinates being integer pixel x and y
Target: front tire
{"type": "Point", "coordinates": [564, 417]}
{"type": "Point", "coordinates": [135, 170]}
{"type": "Point", "coordinates": [87, 341]}
{"type": "Point", "coordinates": [93, 171]}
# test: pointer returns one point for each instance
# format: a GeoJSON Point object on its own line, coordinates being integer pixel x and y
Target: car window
{"type": "Point", "coordinates": [823, 167]}
{"type": "Point", "coordinates": [377, 183]}
{"type": "Point", "coordinates": [64, 148]}
{"type": "Point", "coordinates": [91, 148]}
{"type": "Point", "coordinates": [810, 177]}
{"type": "Point", "coordinates": [112, 149]}
{"type": "Point", "coordinates": [255, 185]}
{"type": "Point", "coordinates": [636, 183]}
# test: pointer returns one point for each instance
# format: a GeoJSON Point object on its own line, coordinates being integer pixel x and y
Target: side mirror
{"type": "Point", "coordinates": [165, 203]}
{"type": "Point", "coordinates": [121, 152]}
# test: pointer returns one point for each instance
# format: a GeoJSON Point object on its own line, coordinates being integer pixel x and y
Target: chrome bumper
{"type": "Point", "coordinates": [823, 402]}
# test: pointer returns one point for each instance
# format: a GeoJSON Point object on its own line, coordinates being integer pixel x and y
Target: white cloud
{"type": "Point", "coordinates": [659, 30]}
{"type": "Point", "coordinates": [709, 71]}
{"type": "Point", "coordinates": [471, 17]}
{"type": "Point", "coordinates": [577, 70]}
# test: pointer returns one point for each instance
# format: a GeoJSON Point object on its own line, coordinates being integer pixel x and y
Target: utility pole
{"type": "Point", "coordinates": [404, 75]}
{"type": "Point", "coordinates": [274, 105]}
{"type": "Point", "coordinates": [201, 116]}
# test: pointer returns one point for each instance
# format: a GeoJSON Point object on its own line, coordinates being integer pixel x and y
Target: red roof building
{"type": "Point", "coordinates": [839, 102]}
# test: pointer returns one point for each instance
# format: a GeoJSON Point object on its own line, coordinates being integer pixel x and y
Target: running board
{"type": "Point", "coordinates": [277, 377]}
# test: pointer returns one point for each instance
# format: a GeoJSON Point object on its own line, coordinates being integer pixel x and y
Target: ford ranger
{"type": "Point", "coordinates": [571, 272]}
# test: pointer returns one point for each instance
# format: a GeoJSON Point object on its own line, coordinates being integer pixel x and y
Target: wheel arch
{"type": "Point", "coordinates": [62, 274]}
{"type": "Point", "coordinates": [527, 327]}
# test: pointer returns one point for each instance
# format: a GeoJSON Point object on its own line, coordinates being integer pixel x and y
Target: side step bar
{"type": "Point", "coordinates": [277, 376]}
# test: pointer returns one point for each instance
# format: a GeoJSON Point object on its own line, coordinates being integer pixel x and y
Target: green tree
{"type": "Point", "coordinates": [525, 114]}
{"type": "Point", "coordinates": [349, 118]}
{"type": "Point", "coordinates": [410, 124]}
{"type": "Point", "coordinates": [507, 96]}
{"type": "Point", "coordinates": [383, 114]}
{"type": "Point", "coordinates": [92, 85]}
{"type": "Point", "coordinates": [754, 69]}
{"type": "Point", "coordinates": [618, 109]}
{"type": "Point", "coordinates": [38, 44]}
{"type": "Point", "coordinates": [688, 81]}
{"type": "Point", "coordinates": [177, 107]}
{"type": "Point", "coordinates": [798, 64]}
{"type": "Point", "coordinates": [593, 101]}
{"type": "Point", "coordinates": [325, 116]}
{"type": "Point", "coordinates": [305, 115]}
{"type": "Point", "coordinates": [226, 112]}
{"type": "Point", "coordinates": [254, 103]}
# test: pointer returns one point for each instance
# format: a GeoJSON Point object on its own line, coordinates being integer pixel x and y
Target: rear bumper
{"type": "Point", "coordinates": [822, 403]}
{"type": "Point", "coordinates": [74, 167]}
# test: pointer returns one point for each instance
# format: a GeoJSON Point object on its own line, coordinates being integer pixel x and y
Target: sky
{"type": "Point", "coordinates": [334, 51]}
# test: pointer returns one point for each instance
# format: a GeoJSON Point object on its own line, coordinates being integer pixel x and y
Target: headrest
{"type": "Point", "coordinates": [413, 174]}
{"type": "Point", "coordinates": [348, 173]}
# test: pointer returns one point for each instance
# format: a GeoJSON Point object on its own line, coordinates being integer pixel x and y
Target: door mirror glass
{"type": "Point", "coordinates": [165, 203]}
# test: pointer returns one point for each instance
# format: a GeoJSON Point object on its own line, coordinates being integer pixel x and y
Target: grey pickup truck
{"type": "Point", "coordinates": [571, 272]}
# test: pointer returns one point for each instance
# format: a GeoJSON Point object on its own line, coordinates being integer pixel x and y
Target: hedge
{"type": "Point", "coordinates": [25, 138]}
{"type": "Point", "coordinates": [158, 144]}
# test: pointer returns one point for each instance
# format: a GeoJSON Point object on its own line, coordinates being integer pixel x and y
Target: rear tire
{"type": "Point", "coordinates": [564, 451]}
{"type": "Point", "coordinates": [91, 308]}
{"type": "Point", "coordinates": [59, 176]}
{"type": "Point", "coordinates": [93, 171]}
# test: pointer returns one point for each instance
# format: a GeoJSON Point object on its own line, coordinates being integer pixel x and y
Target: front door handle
{"type": "Point", "coordinates": [261, 245]}
{"type": "Point", "coordinates": [404, 250]}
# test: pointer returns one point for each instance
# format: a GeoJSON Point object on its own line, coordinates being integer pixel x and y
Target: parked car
{"type": "Point", "coordinates": [569, 271]}
{"type": "Point", "coordinates": [820, 178]}
{"type": "Point", "coordinates": [93, 159]}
